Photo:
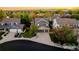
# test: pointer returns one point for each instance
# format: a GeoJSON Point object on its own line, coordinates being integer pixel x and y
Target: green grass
{"type": "Point", "coordinates": [29, 34]}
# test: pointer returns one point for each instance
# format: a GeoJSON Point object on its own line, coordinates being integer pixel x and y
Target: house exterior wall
{"type": "Point", "coordinates": [43, 24]}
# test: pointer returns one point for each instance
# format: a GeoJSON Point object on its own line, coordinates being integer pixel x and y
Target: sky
{"type": "Point", "coordinates": [39, 3]}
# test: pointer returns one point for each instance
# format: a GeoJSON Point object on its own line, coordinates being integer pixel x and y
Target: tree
{"type": "Point", "coordinates": [18, 14]}
{"type": "Point", "coordinates": [50, 25]}
{"type": "Point", "coordinates": [34, 28]}
{"type": "Point", "coordinates": [61, 12]}
{"type": "Point", "coordinates": [48, 14]}
{"type": "Point", "coordinates": [2, 15]}
{"type": "Point", "coordinates": [11, 14]}
{"type": "Point", "coordinates": [33, 15]}
{"type": "Point", "coordinates": [69, 12]}
{"type": "Point", "coordinates": [75, 14]}
{"type": "Point", "coordinates": [26, 20]}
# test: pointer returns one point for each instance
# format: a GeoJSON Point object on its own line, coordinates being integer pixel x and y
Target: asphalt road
{"type": "Point", "coordinates": [26, 45]}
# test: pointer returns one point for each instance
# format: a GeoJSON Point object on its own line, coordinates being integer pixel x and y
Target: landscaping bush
{"type": "Point", "coordinates": [64, 35]}
{"type": "Point", "coordinates": [31, 32]}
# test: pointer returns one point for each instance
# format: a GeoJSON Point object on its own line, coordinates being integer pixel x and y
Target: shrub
{"type": "Point", "coordinates": [31, 32]}
{"type": "Point", "coordinates": [64, 35]}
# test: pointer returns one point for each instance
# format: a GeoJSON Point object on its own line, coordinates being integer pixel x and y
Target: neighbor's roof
{"type": "Point", "coordinates": [63, 21]}
{"type": "Point", "coordinates": [37, 20]}
{"type": "Point", "coordinates": [41, 21]}
{"type": "Point", "coordinates": [6, 20]}
{"type": "Point", "coordinates": [11, 20]}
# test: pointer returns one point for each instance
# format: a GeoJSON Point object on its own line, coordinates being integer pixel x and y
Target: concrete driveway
{"type": "Point", "coordinates": [40, 38]}
{"type": "Point", "coordinates": [43, 38]}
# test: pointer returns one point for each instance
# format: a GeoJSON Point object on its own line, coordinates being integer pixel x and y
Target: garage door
{"type": "Point", "coordinates": [46, 30]}
{"type": "Point", "coordinates": [16, 30]}
{"type": "Point", "coordinates": [42, 30]}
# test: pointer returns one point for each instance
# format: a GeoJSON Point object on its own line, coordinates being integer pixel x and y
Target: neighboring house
{"type": "Point", "coordinates": [55, 24]}
{"type": "Point", "coordinates": [77, 27]}
{"type": "Point", "coordinates": [59, 22]}
{"type": "Point", "coordinates": [13, 24]}
{"type": "Point", "coordinates": [42, 23]}
{"type": "Point", "coordinates": [77, 22]}
{"type": "Point", "coordinates": [66, 16]}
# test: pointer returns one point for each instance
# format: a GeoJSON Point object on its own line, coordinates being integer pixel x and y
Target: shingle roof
{"type": "Point", "coordinates": [65, 21]}
{"type": "Point", "coordinates": [9, 26]}
{"type": "Point", "coordinates": [37, 20]}
{"type": "Point", "coordinates": [41, 22]}
{"type": "Point", "coordinates": [6, 20]}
